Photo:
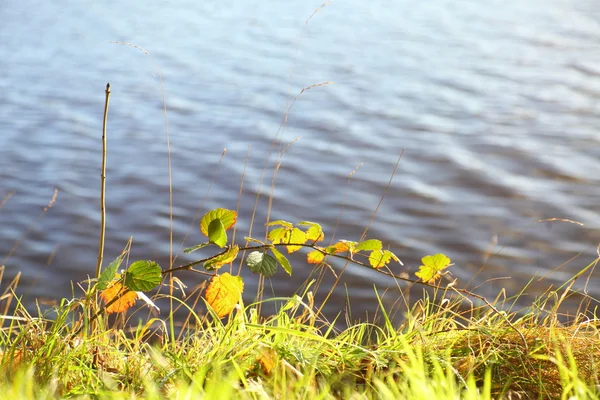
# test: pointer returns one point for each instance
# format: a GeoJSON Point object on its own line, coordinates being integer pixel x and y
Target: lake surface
{"type": "Point", "coordinates": [494, 105]}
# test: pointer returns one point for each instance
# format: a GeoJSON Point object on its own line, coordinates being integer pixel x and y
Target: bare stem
{"type": "Point", "coordinates": [103, 186]}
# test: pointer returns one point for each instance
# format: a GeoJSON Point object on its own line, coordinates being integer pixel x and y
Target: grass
{"type": "Point", "coordinates": [442, 350]}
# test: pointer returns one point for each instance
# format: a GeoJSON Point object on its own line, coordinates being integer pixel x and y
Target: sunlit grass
{"type": "Point", "coordinates": [442, 350]}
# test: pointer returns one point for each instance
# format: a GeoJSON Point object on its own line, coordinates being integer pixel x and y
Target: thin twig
{"type": "Point", "coordinates": [103, 186]}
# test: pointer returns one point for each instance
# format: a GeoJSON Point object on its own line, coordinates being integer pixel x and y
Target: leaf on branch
{"type": "Point", "coordinates": [228, 219]}
{"type": "Point", "coordinates": [315, 257]}
{"type": "Point", "coordinates": [314, 232]}
{"type": "Point", "coordinates": [196, 247]}
{"type": "Point", "coordinates": [252, 240]}
{"type": "Point", "coordinates": [285, 264]}
{"type": "Point", "coordinates": [125, 302]}
{"type": "Point", "coordinates": [223, 293]}
{"type": "Point", "coordinates": [277, 235]}
{"type": "Point", "coordinates": [280, 222]}
{"type": "Point", "coordinates": [369, 245]}
{"type": "Point", "coordinates": [142, 276]}
{"type": "Point", "coordinates": [381, 258]}
{"type": "Point", "coordinates": [216, 233]}
{"type": "Point", "coordinates": [295, 236]}
{"type": "Point", "coordinates": [226, 258]}
{"type": "Point", "coordinates": [343, 246]}
{"type": "Point", "coordinates": [432, 267]}
{"type": "Point", "coordinates": [261, 263]}
{"type": "Point", "coordinates": [107, 276]}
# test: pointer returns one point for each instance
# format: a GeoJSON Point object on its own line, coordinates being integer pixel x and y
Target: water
{"type": "Point", "coordinates": [494, 104]}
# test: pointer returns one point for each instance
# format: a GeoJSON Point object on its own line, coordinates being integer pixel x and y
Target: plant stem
{"type": "Point", "coordinates": [103, 186]}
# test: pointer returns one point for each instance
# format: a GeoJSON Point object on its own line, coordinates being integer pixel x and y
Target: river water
{"type": "Point", "coordinates": [494, 107]}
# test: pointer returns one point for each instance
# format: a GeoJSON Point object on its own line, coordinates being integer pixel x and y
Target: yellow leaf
{"type": "Point", "coordinates": [226, 258]}
{"type": "Point", "coordinates": [295, 236]}
{"type": "Point", "coordinates": [432, 267]}
{"type": "Point", "coordinates": [315, 234]}
{"type": "Point", "coordinates": [224, 292]}
{"type": "Point", "coordinates": [125, 301]}
{"type": "Point", "coordinates": [380, 258]}
{"type": "Point", "coordinates": [315, 257]}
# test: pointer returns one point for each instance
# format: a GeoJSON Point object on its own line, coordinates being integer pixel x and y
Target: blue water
{"type": "Point", "coordinates": [494, 105]}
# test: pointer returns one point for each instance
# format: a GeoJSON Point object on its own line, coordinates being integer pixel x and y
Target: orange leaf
{"type": "Point", "coordinates": [267, 358]}
{"type": "Point", "coordinates": [315, 257]}
{"type": "Point", "coordinates": [224, 292]}
{"type": "Point", "coordinates": [125, 301]}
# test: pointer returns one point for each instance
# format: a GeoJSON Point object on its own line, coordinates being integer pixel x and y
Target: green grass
{"type": "Point", "coordinates": [442, 350]}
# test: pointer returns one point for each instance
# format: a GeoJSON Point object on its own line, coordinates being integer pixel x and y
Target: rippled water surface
{"type": "Point", "coordinates": [496, 106]}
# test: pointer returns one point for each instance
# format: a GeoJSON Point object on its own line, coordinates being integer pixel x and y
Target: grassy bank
{"type": "Point", "coordinates": [442, 350]}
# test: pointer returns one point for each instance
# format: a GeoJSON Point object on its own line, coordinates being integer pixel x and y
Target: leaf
{"type": "Point", "coordinates": [216, 233]}
{"type": "Point", "coordinates": [196, 247]}
{"type": "Point", "coordinates": [125, 301]}
{"type": "Point", "coordinates": [226, 258]}
{"type": "Point", "coordinates": [142, 276]}
{"type": "Point", "coordinates": [267, 358]}
{"type": "Point", "coordinates": [227, 217]}
{"type": "Point", "coordinates": [109, 273]}
{"type": "Point", "coordinates": [314, 232]}
{"type": "Point", "coordinates": [369, 245]}
{"type": "Point", "coordinates": [381, 258]}
{"type": "Point", "coordinates": [295, 236]}
{"type": "Point", "coordinates": [432, 267]}
{"type": "Point", "coordinates": [344, 246]}
{"type": "Point", "coordinates": [280, 222]}
{"type": "Point", "coordinates": [261, 263]}
{"type": "Point", "coordinates": [315, 257]}
{"type": "Point", "coordinates": [223, 293]}
{"type": "Point", "coordinates": [277, 235]}
{"type": "Point", "coordinates": [285, 264]}
{"type": "Point", "coordinates": [252, 240]}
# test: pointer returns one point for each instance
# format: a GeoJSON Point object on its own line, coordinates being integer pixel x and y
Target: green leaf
{"type": "Point", "coordinates": [109, 273]}
{"type": "Point", "coordinates": [280, 222]}
{"type": "Point", "coordinates": [432, 267]}
{"type": "Point", "coordinates": [261, 263]}
{"type": "Point", "coordinates": [196, 247]}
{"type": "Point", "coordinates": [226, 258]}
{"type": "Point", "coordinates": [216, 233]}
{"type": "Point", "coordinates": [227, 217]}
{"type": "Point", "coordinates": [142, 276]}
{"type": "Point", "coordinates": [282, 260]}
{"type": "Point", "coordinates": [369, 245]}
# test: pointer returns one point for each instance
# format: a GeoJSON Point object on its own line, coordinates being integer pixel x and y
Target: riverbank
{"type": "Point", "coordinates": [442, 350]}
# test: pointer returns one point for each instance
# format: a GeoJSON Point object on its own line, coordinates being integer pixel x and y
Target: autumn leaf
{"type": "Point", "coordinates": [314, 232]}
{"type": "Point", "coordinates": [315, 257]}
{"type": "Point", "coordinates": [432, 267]}
{"type": "Point", "coordinates": [226, 258]}
{"type": "Point", "coordinates": [223, 293]}
{"type": "Point", "coordinates": [369, 245]}
{"type": "Point", "coordinates": [295, 236]}
{"type": "Point", "coordinates": [381, 258]}
{"type": "Point", "coordinates": [277, 235]}
{"type": "Point", "coordinates": [125, 302]}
